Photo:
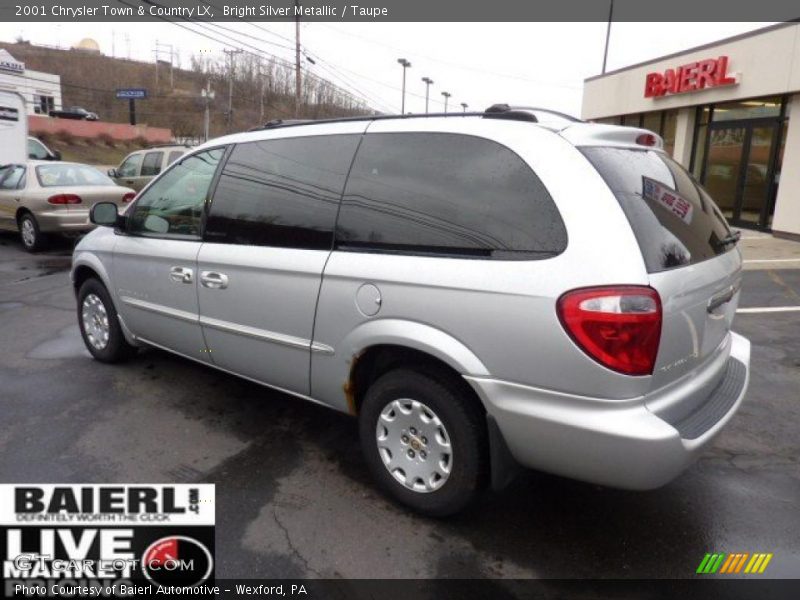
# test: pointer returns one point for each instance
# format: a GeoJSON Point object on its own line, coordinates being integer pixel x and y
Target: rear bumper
{"type": "Point", "coordinates": [630, 444]}
{"type": "Point", "coordinates": [64, 220]}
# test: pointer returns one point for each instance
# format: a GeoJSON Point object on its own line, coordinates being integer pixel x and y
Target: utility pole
{"type": "Point", "coordinates": [167, 49]}
{"type": "Point", "coordinates": [446, 96]}
{"type": "Point", "coordinates": [464, 107]}
{"type": "Point", "coordinates": [608, 33]}
{"type": "Point", "coordinates": [208, 96]}
{"type": "Point", "coordinates": [405, 64]}
{"type": "Point", "coordinates": [231, 54]}
{"type": "Point", "coordinates": [261, 97]}
{"type": "Point", "coordinates": [428, 81]}
{"type": "Point", "coordinates": [298, 84]}
{"type": "Point", "coordinates": [155, 52]}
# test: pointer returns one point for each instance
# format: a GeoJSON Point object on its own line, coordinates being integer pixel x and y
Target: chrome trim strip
{"type": "Point", "coordinates": [160, 309]}
{"type": "Point", "coordinates": [224, 370]}
{"type": "Point", "coordinates": [228, 327]}
{"type": "Point", "coordinates": [322, 348]}
{"type": "Point", "coordinates": [254, 332]}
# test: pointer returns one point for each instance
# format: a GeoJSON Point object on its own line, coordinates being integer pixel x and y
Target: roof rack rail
{"type": "Point", "coordinates": [519, 112]}
{"type": "Point", "coordinates": [283, 123]}
{"type": "Point", "coordinates": [496, 111]}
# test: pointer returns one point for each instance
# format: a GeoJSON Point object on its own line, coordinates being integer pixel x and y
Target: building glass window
{"type": "Point", "coordinates": [747, 109]}
{"type": "Point", "coordinates": [652, 121]}
{"type": "Point", "coordinates": [632, 120]}
{"type": "Point", "coordinates": [42, 105]}
{"type": "Point", "coordinates": [700, 134]}
{"type": "Point", "coordinates": [669, 124]}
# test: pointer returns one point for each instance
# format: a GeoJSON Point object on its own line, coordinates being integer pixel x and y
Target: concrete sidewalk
{"type": "Point", "coordinates": [763, 251]}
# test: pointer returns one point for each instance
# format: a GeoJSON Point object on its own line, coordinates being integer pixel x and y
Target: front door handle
{"type": "Point", "coordinates": [181, 275]}
{"type": "Point", "coordinates": [213, 280]}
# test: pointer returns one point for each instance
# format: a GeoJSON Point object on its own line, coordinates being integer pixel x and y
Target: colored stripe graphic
{"type": "Point", "coordinates": [742, 561]}
{"type": "Point", "coordinates": [765, 563]}
{"type": "Point", "coordinates": [758, 563]}
{"type": "Point", "coordinates": [734, 562]}
{"type": "Point", "coordinates": [703, 564]}
{"type": "Point", "coordinates": [732, 558]}
{"type": "Point", "coordinates": [711, 562]}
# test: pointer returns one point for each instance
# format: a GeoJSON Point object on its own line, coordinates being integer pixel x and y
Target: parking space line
{"type": "Point", "coordinates": [771, 260]}
{"type": "Point", "coordinates": [769, 309]}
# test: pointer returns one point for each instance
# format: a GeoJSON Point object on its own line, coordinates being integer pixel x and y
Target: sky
{"type": "Point", "coordinates": [533, 64]}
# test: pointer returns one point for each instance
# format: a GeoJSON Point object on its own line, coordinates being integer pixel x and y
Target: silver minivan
{"type": "Point", "coordinates": [480, 290]}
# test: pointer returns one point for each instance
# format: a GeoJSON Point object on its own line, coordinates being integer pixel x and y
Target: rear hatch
{"type": "Point", "coordinates": [688, 249]}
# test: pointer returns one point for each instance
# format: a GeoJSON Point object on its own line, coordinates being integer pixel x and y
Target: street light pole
{"type": "Point", "coordinates": [428, 81]}
{"type": "Point", "coordinates": [405, 65]}
{"type": "Point", "coordinates": [208, 96]}
{"type": "Point", "coordinates": [608, 33]}
{"type": "Point", "coordinates": [464, 106]}
{"type": "Point", "coordinates": [446, 96]}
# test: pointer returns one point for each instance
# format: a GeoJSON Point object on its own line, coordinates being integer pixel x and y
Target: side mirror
{"type": "Point", "coordinates": [104, 213]}
{"type": "Point", "coordinates": [112, 173]}
{"type": "Point", "coordinates": [56, 155]}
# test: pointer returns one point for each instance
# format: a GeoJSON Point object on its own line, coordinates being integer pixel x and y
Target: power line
{"type": "Point", "coordinates": [369, 98]}
{"type": "Point", "coordinates": [236, 43]}
{"type": "Point", "coordinates": [450, 63]}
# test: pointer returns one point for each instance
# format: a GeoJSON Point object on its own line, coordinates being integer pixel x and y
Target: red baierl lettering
{"type": "Point", "coordinates": [689, 78]}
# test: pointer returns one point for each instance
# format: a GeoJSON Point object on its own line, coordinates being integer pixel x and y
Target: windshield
{"type": "Point", "coordinates": [67, 175]}
{"type": "Point", "coordinates": [675, 221]}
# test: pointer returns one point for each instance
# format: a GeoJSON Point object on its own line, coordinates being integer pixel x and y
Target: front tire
{"type": "Point", "coordinates": [424, 439]}
{"type": "Point", "coordinates": [32, 238]}
{"type": "Point", "coordinates": [99, 324]}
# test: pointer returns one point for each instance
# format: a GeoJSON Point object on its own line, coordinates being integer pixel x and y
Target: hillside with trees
{"type": "Point", "coordinates": [262, 89]}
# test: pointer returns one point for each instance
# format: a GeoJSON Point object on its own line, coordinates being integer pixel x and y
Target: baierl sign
{"type": "Point", "coordinates": [690, 77]}
{"type": "Point", "coordinates": [10, 64]}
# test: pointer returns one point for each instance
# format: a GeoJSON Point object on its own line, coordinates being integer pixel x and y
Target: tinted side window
{"type": "Point", "coordinates": [174, 204]}
{"type": "Point", "coordinates": [37, 150]}
{"type": "Point", "coordinates": [675, 222]}
{"type": "Point", "coordinates": [151, 165]}
{"type": "Point", "coordinates": [281, 192]}
{"type": "Point", "coordinates": [13, 179]}
{"type": "Point", "coordinates": [447, 194]}
{"type": "Point", "coordinates": [174, 155]}
{"type": "Point", "coordinates": [130, 166]}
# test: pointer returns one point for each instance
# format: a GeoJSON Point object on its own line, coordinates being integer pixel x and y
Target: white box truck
{"type": "Point", "coordinates": [13, 129]}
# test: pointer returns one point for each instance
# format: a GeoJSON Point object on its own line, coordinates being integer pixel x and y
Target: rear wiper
{"type": "Point", "coordinates": [733, 238]}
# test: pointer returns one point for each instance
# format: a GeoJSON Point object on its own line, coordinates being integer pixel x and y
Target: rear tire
{"type": "Point", "coordinates": [99, 324]}
{"type": "Point", "coordinates": [424, 439]}
{"type": "Point", "coordinates": [32, 238]}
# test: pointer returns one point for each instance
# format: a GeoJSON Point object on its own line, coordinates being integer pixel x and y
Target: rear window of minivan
{"type": "Point", "coordinates": [676, 223]}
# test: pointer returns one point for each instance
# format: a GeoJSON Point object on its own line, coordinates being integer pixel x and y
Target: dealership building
{"type": "Point", "coordinates": [41, 91]}
{"type": "Point", "coordinates": [729, 112]}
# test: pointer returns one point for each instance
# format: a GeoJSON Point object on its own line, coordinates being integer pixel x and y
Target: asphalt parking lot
{"type": "Point", "coordinates": [294, 498]}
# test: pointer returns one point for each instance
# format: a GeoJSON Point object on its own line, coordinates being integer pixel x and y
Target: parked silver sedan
{"type": "Point", "coordinates": [41, 197]}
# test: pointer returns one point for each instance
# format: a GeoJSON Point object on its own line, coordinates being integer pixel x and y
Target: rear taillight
{"type": "Point", "coordinates": [64, 199]}
{"type": "Point", "coordinates": [128, 197]}
{"type": "Point", "coordinates": [647, 139]}
{"type": "Point", "coordinates": [618, 326]}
